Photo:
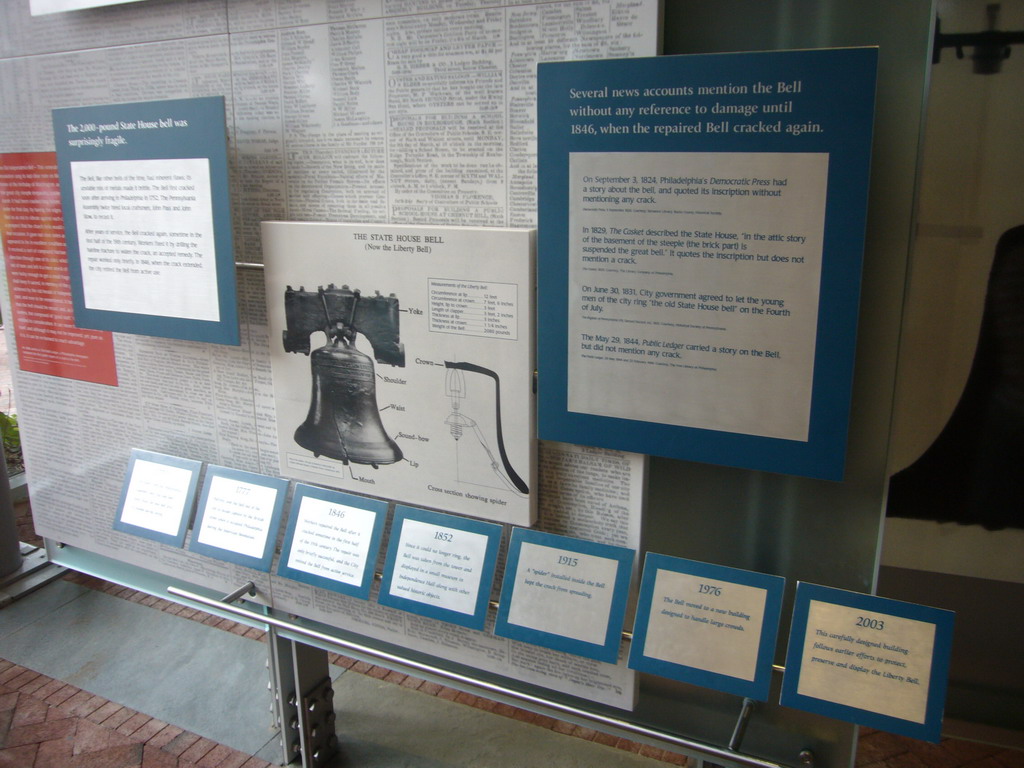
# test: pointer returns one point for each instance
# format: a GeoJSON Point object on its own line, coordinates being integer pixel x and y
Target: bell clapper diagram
{"type": "Point", "coordinates": [460, 425]}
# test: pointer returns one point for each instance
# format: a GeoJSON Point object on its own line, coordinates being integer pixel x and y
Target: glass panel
{"type": "Point", "coordinates": [802, 529]}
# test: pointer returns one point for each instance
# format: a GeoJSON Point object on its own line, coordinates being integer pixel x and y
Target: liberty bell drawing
{"type": "Point", "coordinates": [344, 422]}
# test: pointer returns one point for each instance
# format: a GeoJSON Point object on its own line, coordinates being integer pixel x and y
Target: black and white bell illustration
{"type": "Point", "coordinates": [344, 421]}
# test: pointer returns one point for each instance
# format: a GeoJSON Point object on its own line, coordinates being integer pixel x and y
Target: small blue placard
{"type": "Point", "coordinates": [157, 498]}
{"type": "Point", "coordinates": [565, 593]}
{"type": "Point", "coordinates": [147, 218]}
{"type": "Point", "coordinates": [440, 566]}
{"type": "Point", "coordinates": [707, 624]}
{"type": "Point", "coordinates": [239, 514]}
{"type": "Point", "coordinates": [869, 660]}
{"type": "Point", "coordinates": [332, 540]}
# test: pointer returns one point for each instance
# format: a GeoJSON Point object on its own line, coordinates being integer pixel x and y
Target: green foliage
{"type": "Point", "coordinates": [11, 437]}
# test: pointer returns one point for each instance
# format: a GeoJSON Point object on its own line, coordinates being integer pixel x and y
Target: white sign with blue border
{"type": "Point", "coordinates": [440, 566]}
{"type": "Point", "coordinates": [869, 660]}
{"type": "Point", "coordinates": [332, 540]}
{"type": "Point", "coordinates": [157, 498]}
{"type": "Point", "coordinates": [701, 234]}
{"type": "Point", "coordinates": [147, 218]}
{"type": "Point", "coordinates": [564, 593]}
{"type": "Point", "coordinates": [708, 625]}
{"type": "Point", "coordinates": [239, 514]}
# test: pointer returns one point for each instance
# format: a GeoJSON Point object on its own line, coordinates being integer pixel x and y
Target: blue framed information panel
{"type": "Point", "coordinates": [239, 514]}
{"type": "Point", "coordinates": [701, 234]}
{"type": "Point", "coordinates": [332, 540]}
{"type": "Point", "coordinates": [564, 593]}
{"type": "Point", "coordinates": [157, 497]}
{"type": "Point", "coordinates": [869, 660]}
{"type": "Point", "coordinates": [147, 218]}
{"type": "Point", "coordinates": [440, 566]}
{"type": "Point", "coordinates": [707, 624]}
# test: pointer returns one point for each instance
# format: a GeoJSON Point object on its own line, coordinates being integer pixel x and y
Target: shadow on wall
{"type": "Point", "coordinates": [974, 471]}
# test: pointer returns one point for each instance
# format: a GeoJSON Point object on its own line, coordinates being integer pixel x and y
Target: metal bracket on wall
{"type": "Point", "coordinates": [991, 46]}
{"type": "Point", "coordinates": [249, 588]}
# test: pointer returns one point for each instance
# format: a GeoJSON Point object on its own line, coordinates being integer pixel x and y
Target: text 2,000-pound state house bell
{"type": "Point", "coordinates": [343, 421]}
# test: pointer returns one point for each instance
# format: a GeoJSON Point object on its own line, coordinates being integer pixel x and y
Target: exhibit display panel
{"type": "Point", "coordinates": [389, 115]}
{"type": "Point", "coordinates": [335, 111]}
{"type": "Point", "coordinates": [147, 218]}
{"type": "Point", "coordinates": [444, 317]}
{"type": "Point", "coordinates": [701, 242]}
{"type": "Point", "coordinates": [38, 282]}
{"type": "Point", "coordinates": [290, 148]}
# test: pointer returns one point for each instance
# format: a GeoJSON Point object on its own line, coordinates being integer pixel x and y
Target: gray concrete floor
{"type": "Point", "coordinates": [214, 683]}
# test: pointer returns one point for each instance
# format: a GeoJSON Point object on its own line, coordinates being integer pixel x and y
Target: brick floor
{"type": "Point", "coordinates": [37, 733]}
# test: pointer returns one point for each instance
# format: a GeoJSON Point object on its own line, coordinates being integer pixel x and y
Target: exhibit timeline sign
{"type": "Point", "coordinates": [870, 660]}
{"type": "Point", "coordinates": [147, 218]}
{"type": "Point", "coordinates": [852, 656]}
{"type": "Point", "coordinates": [701, 237]}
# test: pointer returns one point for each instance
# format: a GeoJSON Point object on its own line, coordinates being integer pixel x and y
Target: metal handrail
{"type": "Point", "coordinates": [684, 744]}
